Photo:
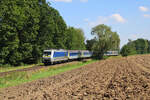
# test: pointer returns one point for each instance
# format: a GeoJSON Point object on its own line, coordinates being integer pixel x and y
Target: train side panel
{"type": "Point", "coordinates": [86, 54]}
{"type": "Point", "coordinates": [60, 56]}
{"type": "Point", "coordinates": [51, 56]}
{"type": "Point", "coordinates": [73, 54]}
{"type": "Point", "coordinates": [111, 53]}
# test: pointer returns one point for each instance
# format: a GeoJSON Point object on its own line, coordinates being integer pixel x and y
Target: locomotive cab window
{"type": "Point", "coordinates": [47, 53]}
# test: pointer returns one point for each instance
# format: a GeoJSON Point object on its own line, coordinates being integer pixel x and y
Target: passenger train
{"type": "Point", "coordinates": [52, 56]}
{"type": "Point", "coordinates": [111, 53]}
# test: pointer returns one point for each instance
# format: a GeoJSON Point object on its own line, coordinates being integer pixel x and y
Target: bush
{"type": "Point", "coordinates": [125, 51]}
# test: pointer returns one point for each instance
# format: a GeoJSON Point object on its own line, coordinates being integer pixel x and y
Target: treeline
{"type": "Point", "coordinates": [27, 27]}
{"type": "Point", "coordinates": [139, 46]}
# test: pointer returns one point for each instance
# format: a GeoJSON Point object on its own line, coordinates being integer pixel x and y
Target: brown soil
{"type": "Point", "coordinates": [112, 79]}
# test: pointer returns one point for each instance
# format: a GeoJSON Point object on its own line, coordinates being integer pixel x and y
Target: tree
{"type": "Point", "coordinates": [139, 46]}
{"type": "Point", "coordinates": [51, 33]}
{"type": "Point", "coordinates": [125, 51]}
{"type": "Point", "coordinates": [10, 27]}
{"type": "Point", "coordinates": [27, 27]}
{"type": "Point", "coordinates": [75, 39]}
{"type": "Point", "coordinates": [148, 46]}
{"type": "Point", "coordinates": [105, 40]}
{"type": "Point", "coordinates": [131, 47]}
{"type": "Point", "coordinates": [90, 44]}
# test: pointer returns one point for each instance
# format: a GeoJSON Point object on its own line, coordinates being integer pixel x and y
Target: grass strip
{"type": "Point", "coordinates": [10, 68]}
{"type": "Point", "coordinates": [23, 77]}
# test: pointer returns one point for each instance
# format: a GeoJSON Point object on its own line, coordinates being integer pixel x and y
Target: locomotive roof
{"type": "Point", "coordinates": [54, 50]}
{"type": "Point", "coordinates": [49, 50]}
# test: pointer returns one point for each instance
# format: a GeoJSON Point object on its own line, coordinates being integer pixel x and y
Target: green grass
{"type": "Point", "coordinates": [23, 77]}
{"type": "Point", "coordinates": [6, 68]}
{"type": "Point", "coordinates": [111, 57]}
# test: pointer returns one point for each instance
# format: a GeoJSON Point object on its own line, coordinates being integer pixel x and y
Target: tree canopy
{"type": "Point", "coordinates": [90, 44]}
{"type": "Point", "coordinates": [139, 46]}
{"type": "Point", "coordinates": [104, 39]}
{"type": "Point", "coordinates": [75, 39]}
{"type": "Point", "coordinates": [27, 27]}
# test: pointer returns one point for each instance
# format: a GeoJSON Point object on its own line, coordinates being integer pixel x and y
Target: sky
{"type": "Point", "coordinates": [129, 18]}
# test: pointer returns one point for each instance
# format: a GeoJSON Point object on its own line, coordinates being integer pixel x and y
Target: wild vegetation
{"type": "Point", "coordinates": [28, 76]}
{"type": "Point", "coordinates": [27, 27]}
{"type": "Point", "coordinates": [139, 46]}
{"type": "Point", "coordinates": [7, 68]}
{"type": "Point", "coordinates": [103, 41]}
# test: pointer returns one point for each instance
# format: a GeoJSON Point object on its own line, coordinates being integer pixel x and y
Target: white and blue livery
{"type": "Point", "coordinates": [51, 56]}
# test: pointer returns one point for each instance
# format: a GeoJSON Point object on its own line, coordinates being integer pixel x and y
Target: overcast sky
{"type": "Point", "coordinates": [129, 18]}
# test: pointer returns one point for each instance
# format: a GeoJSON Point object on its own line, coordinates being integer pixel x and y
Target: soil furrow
{"type": "Point", "coordinates": [112, 79]}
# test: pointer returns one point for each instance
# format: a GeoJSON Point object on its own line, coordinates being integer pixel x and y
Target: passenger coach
{"type": "Point", "coordinates": [51, 56]}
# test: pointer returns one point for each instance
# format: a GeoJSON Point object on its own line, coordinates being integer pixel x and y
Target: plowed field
{"type": "Point", "coordinates": [111, 79]}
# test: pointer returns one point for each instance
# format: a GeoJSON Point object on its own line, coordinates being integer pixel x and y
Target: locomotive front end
{"type": "Point", "coordinates": [47, 57]}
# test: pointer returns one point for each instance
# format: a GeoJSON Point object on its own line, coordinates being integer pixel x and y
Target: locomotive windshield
{"type": "Point", "coordinates": [47, 53]}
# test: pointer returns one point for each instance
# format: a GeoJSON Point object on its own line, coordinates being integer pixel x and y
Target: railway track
{"type": "Point", "coordinates": [21, 70]}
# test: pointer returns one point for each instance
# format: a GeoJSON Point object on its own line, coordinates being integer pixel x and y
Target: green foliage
{"type": "Point", "coordinates": [125, 50]}
{"type": "Point", "coordinates": [105, 40]}
{"type": "Point", "coordinates": [148, 46]}
{"type": "Point", "coordinates": [27, 27]}
{"type": "Point", "coordinates": [89, 44]}
{"type": "Point", "coordinates": [139, 46]}
{"type": "Point", "coordinates": [75, 39]}
{"type": "Point", "coordinates": [18, 30]}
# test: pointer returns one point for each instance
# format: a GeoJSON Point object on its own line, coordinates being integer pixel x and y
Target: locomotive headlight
{"type": "Point", "coordinates": [46, 56]}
